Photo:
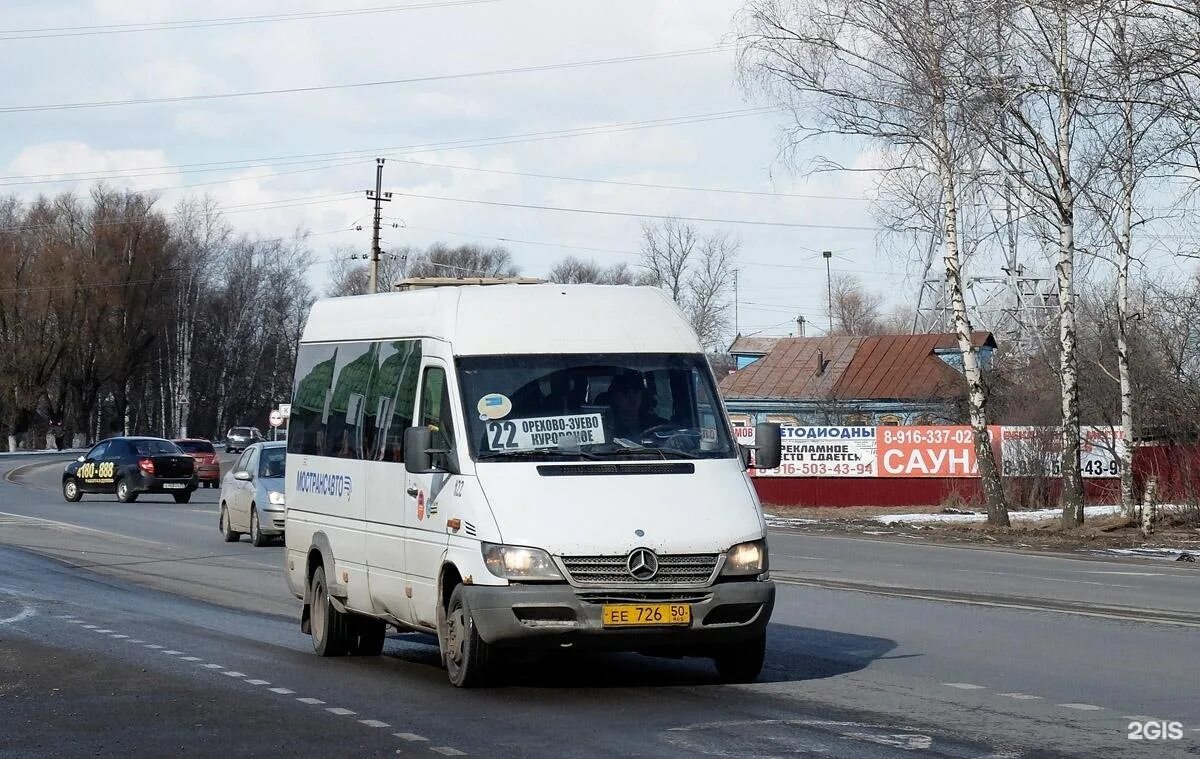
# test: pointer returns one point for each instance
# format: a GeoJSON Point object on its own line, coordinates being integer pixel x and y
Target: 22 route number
{"type": "Point", "coordinates": [504, 435]}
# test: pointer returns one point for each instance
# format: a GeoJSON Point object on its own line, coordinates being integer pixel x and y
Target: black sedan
{"type": "Point", "coordinates": [129, 466]}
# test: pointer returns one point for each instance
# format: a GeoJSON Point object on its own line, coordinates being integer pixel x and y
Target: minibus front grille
{"type": "Point", "coordinates": [594, 470]}
{"type": "Point", "coordinates": [673, 569]}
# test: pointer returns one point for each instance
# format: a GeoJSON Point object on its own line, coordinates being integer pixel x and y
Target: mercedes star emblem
{"type": "Point", "coordinates": [642, 564]}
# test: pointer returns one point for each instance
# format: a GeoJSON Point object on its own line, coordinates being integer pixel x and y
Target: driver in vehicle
{"type": "Point", "coordinates": [627, 398]}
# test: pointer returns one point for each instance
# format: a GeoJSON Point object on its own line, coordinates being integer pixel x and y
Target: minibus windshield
{"type": "Point", "coordinates": [620, 406]}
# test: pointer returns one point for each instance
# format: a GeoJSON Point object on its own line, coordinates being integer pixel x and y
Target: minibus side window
{"type": "Point", "coordinates": [351, 382]}
{"type": "Point", "coordinates": [435, 408]}
{"type": "Point", "coordinates": [310, 398]}
{"type": "Point", "coordinates": [401, 362]}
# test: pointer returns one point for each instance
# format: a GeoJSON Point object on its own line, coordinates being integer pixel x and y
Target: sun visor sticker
{"type": "Point", "coordinates": [494, 406]}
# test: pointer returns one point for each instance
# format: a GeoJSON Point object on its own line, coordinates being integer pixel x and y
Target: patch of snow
{"type": "Point", "coordinates": [777, 521]}
{"type": "Point", "coordinates": [1016, 516]}
{"type": "Point", "coordinates": [1162, 554]}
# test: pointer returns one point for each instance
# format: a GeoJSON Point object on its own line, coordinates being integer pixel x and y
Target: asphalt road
{"type": "Point", "coordinates": [132, 629]}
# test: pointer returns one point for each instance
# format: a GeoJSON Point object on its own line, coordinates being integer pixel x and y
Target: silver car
{"type": "Point", "coordinates": [252, 494]}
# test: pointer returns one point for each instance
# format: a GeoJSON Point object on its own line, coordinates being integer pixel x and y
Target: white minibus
{"type": "Point", "coordinates": [521, 466]}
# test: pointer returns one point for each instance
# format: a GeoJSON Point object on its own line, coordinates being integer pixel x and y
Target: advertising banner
{"type": "Point", "coordinates": [1036, 452]}
{"type": "Point", "coordinates": [825, 452]}
{"type": "Point", "coordinates": [935, 451]}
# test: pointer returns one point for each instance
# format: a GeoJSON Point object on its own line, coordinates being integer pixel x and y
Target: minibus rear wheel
{"type": "Point", "coordinates": [466, 654]}
{"type": "Point", "coordinates": [742, 663]}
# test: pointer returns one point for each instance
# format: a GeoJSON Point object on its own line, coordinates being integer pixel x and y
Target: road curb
{"type": "Point", "coordinates": [18, 471]}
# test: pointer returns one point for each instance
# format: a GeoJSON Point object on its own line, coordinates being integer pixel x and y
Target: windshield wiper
{"type": "Point", "coordinates": [535, 453]}
{"type": "Point", "coordinates": [663, 453]}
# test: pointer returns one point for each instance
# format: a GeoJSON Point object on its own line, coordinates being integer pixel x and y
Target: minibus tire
{"type": "Point", "coordinates": [465, 653]}
{"type": "Point", "coordinates": [330, 627]}
{"type": "Point", "coordinates": [742, 663]}
{"type": "Point", "coordinates": [369, 636]}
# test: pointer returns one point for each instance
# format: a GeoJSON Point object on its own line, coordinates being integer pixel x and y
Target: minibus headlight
{"type": "Point", "coordinates": [519, 563]}
{"type": "Point", "coordinates": [746, 559]}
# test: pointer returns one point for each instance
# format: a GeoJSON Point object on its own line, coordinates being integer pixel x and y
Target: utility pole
{"type": "Point", "coordinates": [828, 254]}
{"type": "Point", "coordinates": [378, 196]}
{"type": "Point", "coordinates": [736, 333]}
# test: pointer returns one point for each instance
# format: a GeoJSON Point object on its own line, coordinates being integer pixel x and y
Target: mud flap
{"type": "Point", "coordinates": [306, 620]}
{"type": "Point", "coordinates": [441, 635]}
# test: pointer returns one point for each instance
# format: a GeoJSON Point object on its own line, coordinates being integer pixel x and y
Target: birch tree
{"type": "Point", "coordinates": [1031, 109]}
{"type": "Point", "coordinates": [886, 71]}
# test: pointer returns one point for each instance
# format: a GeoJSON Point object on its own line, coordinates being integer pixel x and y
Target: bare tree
{"type": "Point", "coordinates": [885, 71]}
{"type": "Point", "coordinates": [696, 270]}
{"type": "Point", "coordinates": [440, 260]}
{"type": "Point", "coordinates": [575, 271]}
{"type": "Point", "coordinates": [855, 311]}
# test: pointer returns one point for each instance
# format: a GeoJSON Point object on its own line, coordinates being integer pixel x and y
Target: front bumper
{"type": "Point", "coordinates": [271, 522]}
{"type": "Point", "coordinates": [555, 615]}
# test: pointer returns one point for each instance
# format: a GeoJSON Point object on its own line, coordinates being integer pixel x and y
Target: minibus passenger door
{"type": "Point", "coordinates": [424, 516]}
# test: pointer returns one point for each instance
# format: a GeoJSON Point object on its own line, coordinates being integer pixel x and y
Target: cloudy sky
{"type": "Point", "coordinates": [300, 160]}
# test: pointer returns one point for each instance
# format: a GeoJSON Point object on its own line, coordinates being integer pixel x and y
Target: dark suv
{"type": "Point", "coordinates": [238, 438]}
{"type": "Point", "coordinates": [129, 466]}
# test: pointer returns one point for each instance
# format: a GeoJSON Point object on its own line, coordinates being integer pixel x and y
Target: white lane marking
{"type": "Point", "coordinates": [310, 700]}
{"type": "Point", "coordinates": [1130, 574]}
{"type": "Point", "coordinates": [339, 711]}
{"type": "Point", "coordinates": [1147, 615]}
{"type": "Point", "coordinates": [90, 627]}
{"type": "Point", "coordinates": [212, 666]}
{"type": "Point", "coordinates": [118, 636]}
{"type": "Point", "coordinates": [964, 686]}
{"type": "Point", "coordinates": [135, 640]}
{"type": "Point", "coordinates": [104, 632]}
{"type": "Point", "coordinates": [1140, 718]}
{"type": "Point", "coordinates": [1019, 696]}
{"type": "Point", "coordinates": [191, 658]}
{"type": "Point", "coordinates": [233, 673]}
{"type": "Point", "coordinates": [25, 613]}
{"type": "Point", "coordinates": [447, 751]}
{"type": "Point", "coordinates": [413, 737]}
{"type": "Point", "coordinates": [171, 652]}
{"type": "Point", "coordinates": [373, 723]}
{"type": "Point", "coordinates": [78, 528]}
{"type": "Point", "coordinates": [75, 621]}
{"type": "Point", "coordinates": [282, 691]}
{"type": "Point", "coordinates": [1083, 707]}
{"type": "Point", "coordinates": [904, 741]}
{"type": "Point", "coordinates": [258, 682]}
{"type": "Point", "coordinates": [154, 646]}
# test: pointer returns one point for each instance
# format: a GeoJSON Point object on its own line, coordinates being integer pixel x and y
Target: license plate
{"type": "Point", "coordinates": [634, 615]}
{"type": "Point", "coordinates": [174, 485]}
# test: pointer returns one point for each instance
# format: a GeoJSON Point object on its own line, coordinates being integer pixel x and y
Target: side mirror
{"type": "Point", "coordinates": [421, 458]}
{"type": "Point", "coordinates": [242, 475]}
{"type": "Point", "coordinates": [81, 459]}
{"type": "Point", "coordinates": [418, 459]}
{"type": "Point", "coordinates": [768, 445]}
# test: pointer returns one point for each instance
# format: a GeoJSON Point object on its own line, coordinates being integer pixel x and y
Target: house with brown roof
{"type": "Point", "coordinates": [871, 380]}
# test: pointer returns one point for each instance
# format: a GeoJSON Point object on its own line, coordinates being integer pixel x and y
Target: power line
{"type": "Point", "coordinates": [637, 215]}
{"type": "Point", "coordinates": [620, 183]}
{"type": "Point", "coordinates": [359, 85]}
{"type": "Point", "coordinates": [7, 35]}
{"type": "Point", "coordinates": [305, 158]}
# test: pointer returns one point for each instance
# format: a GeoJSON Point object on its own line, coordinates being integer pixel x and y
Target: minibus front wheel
{"type": "Point", "coordinates": [742, 662]}
{"type": "Point", "coordinates": [466, 654]}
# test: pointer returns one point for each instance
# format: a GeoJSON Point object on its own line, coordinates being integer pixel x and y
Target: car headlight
{"type": "Point", "coordinates": [519, 563]}
{"type": "Point", "coordinates": [746, 559]}
{"type": "Point", "coordinates": [275, 497]}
